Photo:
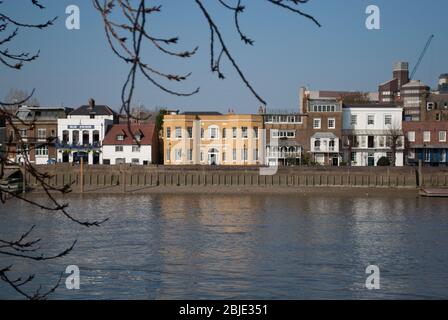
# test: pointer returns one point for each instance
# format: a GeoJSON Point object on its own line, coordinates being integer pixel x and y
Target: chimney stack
{"type": "Point", "coordinates": [91, 104]}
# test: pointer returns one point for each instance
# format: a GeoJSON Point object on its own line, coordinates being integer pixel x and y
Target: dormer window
{"type": "Point", "coordinates": [92, 116]}
{"type": "Point", "coordinates": [120, 137]}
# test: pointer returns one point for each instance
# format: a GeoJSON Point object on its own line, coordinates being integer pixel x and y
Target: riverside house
{"type": "Point", "coordinates": [372, 131]}
{"type": "Point", "coordinates": [324, 129]}
{"type": "Point", "coordinates": [426, 141]}
{"type": "Point", "coordinates": [34, 132]}
{"type": "Point", "coordinates": [212, 138]}
{"type": "Point", "coordinates": [137, 147]}
{"type": "Point", "coordinates": [80, 135]}
{"type": "Point", "coordinates": [286, 139]}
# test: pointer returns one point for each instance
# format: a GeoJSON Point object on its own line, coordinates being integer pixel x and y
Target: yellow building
{"type": "Point", "coordinates": [211, 138]}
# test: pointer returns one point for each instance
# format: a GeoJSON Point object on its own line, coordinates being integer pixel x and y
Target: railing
{"type": "Point", "coordinates": [284, 155]}
{"type": "Point", "coordinates": [324, 149]}
{"type": "Point", "coordinates": [78, 146]}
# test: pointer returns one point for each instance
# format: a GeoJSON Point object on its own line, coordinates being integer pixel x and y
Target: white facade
{"type": "Point", "coordinates": [369, 133]}
{"type": "Point", "coordinates": [82, 135]}
{"type": "Point", "coordinates": [133, 154]}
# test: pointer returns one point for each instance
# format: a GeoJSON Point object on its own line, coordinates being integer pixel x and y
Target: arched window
{"type": "Point", "coordinates": [317, 144]}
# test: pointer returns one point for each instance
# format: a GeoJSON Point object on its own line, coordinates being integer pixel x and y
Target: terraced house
{"type": "Point", "coordinates": [286, 138]}
{"type": "Point", "coordinates": [212, 138]}
{"type": "Point", "coordinates": [33, 134]}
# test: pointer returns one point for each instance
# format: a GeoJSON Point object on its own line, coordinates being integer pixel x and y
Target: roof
{"type": "Point", "coordinates": [414, 83]}
{"type": "Point", "coordinates": [26, 113]}
{"type": "Point", "coordinates": [202, 113]}
{"type": "Point", "coordinates": [324, 135]}
{"type": "Point", "coordinates": [100, 110]}
{"type": "Point", "coordinates": [369, 105]}
{"type": "Point", "coordinates": [146, 129]}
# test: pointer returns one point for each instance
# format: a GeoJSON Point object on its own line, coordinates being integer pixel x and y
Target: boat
{"type": "Point", "coordinates": [12, 182]}
{"type": "Point", "coordinates": [434, 192]}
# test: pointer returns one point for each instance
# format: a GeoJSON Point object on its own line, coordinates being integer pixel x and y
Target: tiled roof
{"type": "Point", "coordinates": [146, 129]}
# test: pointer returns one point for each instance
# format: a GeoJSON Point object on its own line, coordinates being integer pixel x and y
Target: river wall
{"type": "Point", "coordinates": [125, 177]}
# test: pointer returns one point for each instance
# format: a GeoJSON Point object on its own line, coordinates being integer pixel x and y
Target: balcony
{"type": "Point", "coordinates": [284, 155]}
{"type": "Point", "coordinates": [96, 145]}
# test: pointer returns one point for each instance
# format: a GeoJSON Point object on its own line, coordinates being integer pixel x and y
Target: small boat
{"type": "Point", "coordinates": [434, 192]}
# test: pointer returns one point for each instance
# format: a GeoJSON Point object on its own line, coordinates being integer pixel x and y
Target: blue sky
{"type": "Point", "coordinates": [289, 52]}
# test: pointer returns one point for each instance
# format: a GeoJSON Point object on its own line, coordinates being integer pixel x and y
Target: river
{"type": "Point", "coordinates": [240, 246]}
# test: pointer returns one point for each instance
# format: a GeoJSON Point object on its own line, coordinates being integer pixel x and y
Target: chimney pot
{"type": "Point", "coordinates": [91, 104]}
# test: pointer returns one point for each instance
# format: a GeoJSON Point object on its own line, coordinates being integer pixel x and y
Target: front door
{"type": "Point", "coordinates": [371, 160]}
{"type": "Point", "coordinates": [213, 157]}
{"type": "Point", "coordinates": [335, 161]}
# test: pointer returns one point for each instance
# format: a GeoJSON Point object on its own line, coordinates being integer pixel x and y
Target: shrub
{"type": "Point", "coordinates": [383, 162]}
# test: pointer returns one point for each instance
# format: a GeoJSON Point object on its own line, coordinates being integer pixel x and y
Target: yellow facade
{"type": "Point", "coordinates": [231, 139]}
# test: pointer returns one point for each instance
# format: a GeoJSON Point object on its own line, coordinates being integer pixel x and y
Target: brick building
{"type": "Point", "coordinates": [426, 141]}
{"type": "Point", "coordinates": [34, 133]}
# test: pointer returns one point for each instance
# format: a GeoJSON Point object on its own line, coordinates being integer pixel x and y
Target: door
{"type": "Point", "coordinates": [335, 161]}
{"type": "Point", "coordinates": [213, 157]}
{"type": "Point", "coordinates": [371, 160]}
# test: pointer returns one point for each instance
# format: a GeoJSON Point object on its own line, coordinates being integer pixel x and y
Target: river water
{"type": "Point", "coordinates": [258, 246]}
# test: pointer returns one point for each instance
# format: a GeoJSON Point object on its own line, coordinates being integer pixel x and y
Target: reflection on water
{"type": "Point", "coordinates": [242, 246]}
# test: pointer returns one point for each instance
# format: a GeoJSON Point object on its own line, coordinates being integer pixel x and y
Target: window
{"type": "Point", "coordinates": [92, 116]}
{"type": "Point", "coordinates": [168, 154]}
{"type": "Point", "coordinates": [120, 161]}
{"type": "Point", "coordinates": [224, 133]}
{"type": "Point", "coordinates": [178, 133]}
{"type": "Point", "coordinates": [234, 133]}
{"type": "Point", "coordinates": [168, 133]}
{"type": "Point", "coordinates": [370, 119]}
{"type": "Point", "coordinates": [353, 119]}
{"type": "Point", "coordinates": [370, 142]}
{"type": "Point", "coordinates": [411, 136]}
{"type": "Point", "coordinates": [138, 137]}
{"type": "Point", "coordinates": [332, 145]}
{"type": "Point", "coordinates": [120, 137]}
{"type": "Point", "coordinates": [442, 136]}
{"type": "Point", "coordinates": [316, 123]}
{"type": "Point", "coordinates": [118, 148]}
{"type": "Point", "coordinates": [178, 154]}
{"type": "Point", "coordinates": [331, 123]}
{"type": "Point", "coordinates": [234, 154]}
{"type": "Point", "coordinates": [317, 145]}
{"type": "Point", "coordinates": [411, 154]}
{"type": "Point", "coordinates": [190, 154]}
{"type": "Point", "coordinates": [255, 155]}
{"type": "Point", "coordinates": [42, 151]}
{"type": "Point", "coordinates": [202, 133]}
{"type": "Point", "coordinates": [427, 155]}
{"type": "Point", "coordinates": [223, 156]}
{"type": "Point", "coordinates": [381, 141]}
{"type": "Point", "coordinates": [41, 134]}
{"type": "Point", "coordinates": [353, 157]}
{"type": "Point", "coordinates": [135, 161]}
{"type": "Point", "coordinates": [244, 132]}
{"type": "Point", "coordinates": [106, 161]}
{"type": "Point", "coordinates": [23, 133]}
{"type": "Point", "coordinates": [427, 136]}
{"type": "Point", "coordinates": [387, 119]}
{"type": "Point", "coordinates": [245, 154]}
{"type": "Point", "coordinates": [190, 132]}
{"type": "Point", "coordinates": [255, 132]}
{"type": "Point", "coordinates": [213, 132]}
{"type": "Point", "coordinates": [135, 148]}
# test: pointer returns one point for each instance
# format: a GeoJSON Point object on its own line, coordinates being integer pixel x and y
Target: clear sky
{"type": "Point", "coordinates": [289, 52]}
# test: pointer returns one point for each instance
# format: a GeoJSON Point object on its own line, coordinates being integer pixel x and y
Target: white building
{"type": "Point", "coordinates": [80, 135]}
{"type": "Point", "coordinates": [372, 131]}
{"type": "Point", "coordinates": [120, 145]}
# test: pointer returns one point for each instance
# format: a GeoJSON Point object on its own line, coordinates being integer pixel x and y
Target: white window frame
{"type": "Point", "coordinates": [411, 136]}
{"type": "Point", "coordinates": [442, 136]}
{"type": "Point", "coordinates": [334, 123]}
{"type": "Point", "coordinates": [370, 119]}
{"type": "Point", "coordinates": [426, 136]}
{"type": "Point", "coordinates": [317, 121]}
